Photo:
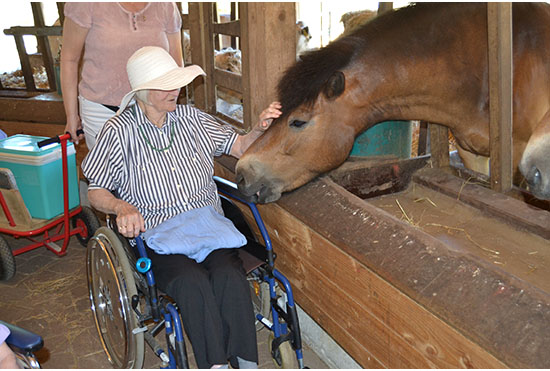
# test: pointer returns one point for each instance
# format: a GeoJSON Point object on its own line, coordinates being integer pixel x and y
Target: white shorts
{"type": "Point", "coordinates": [93, 116]}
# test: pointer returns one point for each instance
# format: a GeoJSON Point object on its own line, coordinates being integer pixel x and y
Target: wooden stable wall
{"type": "Point", "coordinates": [374, 321]}
{"type": "Point", "coordinates": [42, 115]}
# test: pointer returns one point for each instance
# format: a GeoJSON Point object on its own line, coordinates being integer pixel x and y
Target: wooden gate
{"type": "Point", "coordinates": [265, 33]}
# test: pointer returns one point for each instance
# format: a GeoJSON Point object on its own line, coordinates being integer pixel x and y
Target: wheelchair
{"type": "Point", "coordinates": [129, 311]}
{"type": "Point", "coordinates": [24, 343]}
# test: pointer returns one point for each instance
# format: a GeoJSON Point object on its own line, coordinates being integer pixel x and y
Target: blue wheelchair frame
{"type": "Point", "coordinates": [285, 325]}
{"type": "Point", "coordinates": [24, 343]}
{"type": "Point", "coordinates": [289, 328]}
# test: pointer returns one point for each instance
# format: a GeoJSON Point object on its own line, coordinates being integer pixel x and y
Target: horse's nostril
{"type": "Point", "coordinates": [238, 178]}
{"type": "Point", "coordinates": [536, 177]}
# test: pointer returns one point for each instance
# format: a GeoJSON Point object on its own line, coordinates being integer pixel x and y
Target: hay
{"type": "Point", "coordinates": [409, 220]}
{"type": "Point", "coordinates": [425, 199]}
{"type": "Point", "coordinates": [448, 228]}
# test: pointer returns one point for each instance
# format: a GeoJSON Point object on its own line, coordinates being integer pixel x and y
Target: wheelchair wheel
{"type": "Point", "coordinates": [111, 286]}
{"type": "Point", "coordinates": [285, 356]}
{"type": "Point", "coordinates": [7, 261]}
{"type": "Point", "coordinates": [25, 361]}
{"type": "Point", "coordinates": [88, 221]}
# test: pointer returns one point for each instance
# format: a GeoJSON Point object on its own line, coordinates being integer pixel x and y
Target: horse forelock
{"type": "Point", "coordinates": [302, 82]}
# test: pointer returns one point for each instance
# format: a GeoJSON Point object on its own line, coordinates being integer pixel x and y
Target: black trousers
{"type": "Point", "coordinates": [215, 305]}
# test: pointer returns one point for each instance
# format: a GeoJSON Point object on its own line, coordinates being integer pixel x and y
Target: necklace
{"type": "Point", "coordinates": [147, 139]}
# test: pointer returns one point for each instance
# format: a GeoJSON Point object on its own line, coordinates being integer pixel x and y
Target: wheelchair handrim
{"type": "Point", "coordinates": [108, 290]}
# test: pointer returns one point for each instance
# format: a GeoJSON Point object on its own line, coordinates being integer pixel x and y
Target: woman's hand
{"type": "Point", "coordinates": [266, 119]}
{"type": "Point", "coordinates": [74, 124]}
{"type": "Point", "coordinates": [268, 115]}
{"type": "Point", "coordinates": [129, 220]}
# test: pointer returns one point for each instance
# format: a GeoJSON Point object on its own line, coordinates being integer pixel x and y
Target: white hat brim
{"type": "Point", "coordinates": [175, 79]}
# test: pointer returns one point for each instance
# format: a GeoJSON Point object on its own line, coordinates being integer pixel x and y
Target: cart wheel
{"type": "Point", "coordinates": [259, 292]}
{"type": "Point", "coordinates": [87, 220]}
{"type": "Point", "coordinates": [111, 287]}
{"type": "Point", "coordinates": [7, 261]}
{"type": "Point", "coordinates": [285, 356]}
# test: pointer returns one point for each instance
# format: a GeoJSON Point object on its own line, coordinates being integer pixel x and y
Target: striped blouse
{"type": "Point", "coordinates": [128, 158]}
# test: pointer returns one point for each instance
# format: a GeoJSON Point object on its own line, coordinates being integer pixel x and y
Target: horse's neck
{"type": "Point", "coordinates": [385, 98]}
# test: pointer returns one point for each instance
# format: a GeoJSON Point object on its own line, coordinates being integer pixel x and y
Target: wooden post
{"type": "Point", "coordinates": [422, 138]}
{"type": "Point", "coordinates": [196, 35]}
{"type": "Point", "coordinates": [233, 18]}
{"type": "Point", "coordinates": [439, 145]}
{"type": "Point", "coordinates": [499, 33]}
{"type": "Point", "coordinates": [384, 7]}
{"type": "Point", "coordinates": [61, 12]}
{"type": "Point", "coordinates": [25, 63]}
{"type": "Point", "coordinates": [44, 45]}
{"type": "Point", "coordinates": [268, 44]}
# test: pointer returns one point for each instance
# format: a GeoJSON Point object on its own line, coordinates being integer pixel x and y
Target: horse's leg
{"type": "Point", "coordinates": [472, 161]}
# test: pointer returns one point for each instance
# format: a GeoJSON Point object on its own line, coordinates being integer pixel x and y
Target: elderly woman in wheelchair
{"type": "Point", "coordinates": [157, 157]}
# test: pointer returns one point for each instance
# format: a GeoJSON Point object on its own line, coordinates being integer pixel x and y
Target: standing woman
{"type": "Point", "coordinates": [104, 35]}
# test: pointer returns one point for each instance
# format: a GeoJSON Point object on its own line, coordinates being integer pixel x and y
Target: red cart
{"type": "Point", "coordinates": [16, 220]}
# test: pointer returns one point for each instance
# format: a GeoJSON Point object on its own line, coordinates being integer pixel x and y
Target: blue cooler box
{"type": "Point", "coordinates": [39, 174]}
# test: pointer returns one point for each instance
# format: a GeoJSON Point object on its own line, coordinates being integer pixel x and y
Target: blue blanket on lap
{"type": "Point", "coordinates": [194, 233]}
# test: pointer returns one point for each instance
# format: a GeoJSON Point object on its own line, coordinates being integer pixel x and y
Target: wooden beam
{"type": "Point", "coordinates": [268, 49]}
{"type": "Point", "coordinates": [232, 28]}
{"type": "Point", "coordinates": [233, 17]}
{"type": "Point", "coordinates": [61, 12]}
{"type": "Point", "coordinates": [43, 45]}
{"type": "Point", "coordinates": [36, 31]}
{"type": "Point", "coordinates": [384, 7]}
{"type": "Point", "coordinates": [25, 63]}
{"type": "Point", "coordinates": [422, 138]}
{"type": "Point", "coordinates": [439, 145]}
{"type": "Point", "coordinates": [208, 50]}
{"type": "Point", "coordinates": [499, 22]}
{"type": "Point", "coordinates": [32, 109]}
{"type": "Point", "coordinates": [228, 80]}
{"type": "Point", "coordinates": [196, 35]}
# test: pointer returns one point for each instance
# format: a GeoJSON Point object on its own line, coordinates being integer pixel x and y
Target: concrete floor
{"type": "Point", "coordinates": [49, 296]}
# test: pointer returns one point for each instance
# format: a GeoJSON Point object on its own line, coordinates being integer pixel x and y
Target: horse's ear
{"type": "Point", "coordinates": [335, 85]}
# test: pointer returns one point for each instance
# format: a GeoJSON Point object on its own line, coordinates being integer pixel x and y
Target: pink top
{"type": "Point", "coordinates": [114, 35]}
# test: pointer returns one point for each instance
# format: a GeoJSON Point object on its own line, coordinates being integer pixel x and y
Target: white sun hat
{"type": "Point", "coordinates": [152, 67]}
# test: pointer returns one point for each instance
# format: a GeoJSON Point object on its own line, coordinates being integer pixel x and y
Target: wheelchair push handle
{"type": "Point", "coordinates": [57, 138]}
{"type": "Point", "coordinates": [229, 188]}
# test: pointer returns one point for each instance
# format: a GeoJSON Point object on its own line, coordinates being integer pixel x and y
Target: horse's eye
{"type": "Point", "coordinates": [297, 123]}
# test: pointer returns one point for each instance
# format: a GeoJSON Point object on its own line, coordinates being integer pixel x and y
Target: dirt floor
{"type": "Point", "coordinates": [466, 229]}
{"type": "Point", "coordinates": [49, 295]}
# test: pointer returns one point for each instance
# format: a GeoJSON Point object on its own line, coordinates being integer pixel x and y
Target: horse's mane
{"type": "Point", "coordinates": [303, 81]}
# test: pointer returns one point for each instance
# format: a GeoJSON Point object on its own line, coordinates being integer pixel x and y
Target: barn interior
{"type": "Point", "coordinates": [474, 270]}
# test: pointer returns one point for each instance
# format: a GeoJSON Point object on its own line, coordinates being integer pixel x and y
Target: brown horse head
{"type": "Point", "coordinates": [424, 62]}
{"type": "Point", "coordinates": [312, 136]}
{"type": "Point", "coordinates": [535, 162]}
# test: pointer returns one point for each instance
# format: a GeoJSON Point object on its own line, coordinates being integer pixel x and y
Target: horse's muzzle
{"type": "Point", "coordinates": [250, 181]}
{"type": "Point", "coordinates": [539, 184]}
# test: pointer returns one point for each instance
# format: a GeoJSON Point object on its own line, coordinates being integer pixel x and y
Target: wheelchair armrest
{"type": "Point", "coordinates": [23, 340]}
{"type": "Point", "coordinates": [229, 188]}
